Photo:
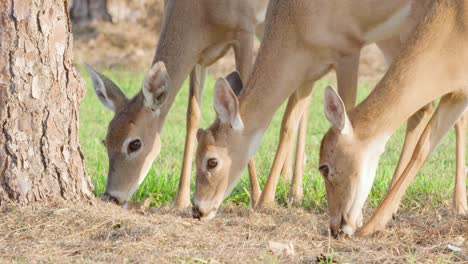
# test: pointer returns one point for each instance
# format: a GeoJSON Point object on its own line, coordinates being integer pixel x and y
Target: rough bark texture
{"type": "Point", "coordinates": [40, 92]}
{"type": "Point", "coordinates": [85, 11]}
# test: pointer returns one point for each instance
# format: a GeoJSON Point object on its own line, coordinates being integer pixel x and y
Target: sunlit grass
{"type": "Point", "coordinates": [434, 184]}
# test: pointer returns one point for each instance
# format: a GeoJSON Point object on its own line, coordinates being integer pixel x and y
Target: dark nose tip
{"type": "Point", "coordinates": [196, 214]}
{"type": "Point", "coordinates": [107, 198]}
{"type": "Point", "coordinates": [335, 231]}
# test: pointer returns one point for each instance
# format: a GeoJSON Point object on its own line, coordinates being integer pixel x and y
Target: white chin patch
{"type": "Point", "coordinates": [348, 230]}
{"type": "Point", "coordinates": [209, 216]}
{"type": "Point", "coordinates": [367, 173]}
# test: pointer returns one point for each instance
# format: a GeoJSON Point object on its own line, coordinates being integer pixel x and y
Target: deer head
{"type": "Point", "coordinates": [348, 164]}
{"type": "Point", "coordinates": [222, 151]}
{"type": "Point", "coordinates": [133, 135]}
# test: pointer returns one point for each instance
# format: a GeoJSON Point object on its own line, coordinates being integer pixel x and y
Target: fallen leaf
{"type": "Point", "coordinates": [454, 249]}
{"type": "Point", "coordinates": [185, 224]}
{"type": "Point", "coordinates": [281, 248]}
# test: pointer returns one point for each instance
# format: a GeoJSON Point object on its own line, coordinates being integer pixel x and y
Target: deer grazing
{"type": "Point", "coordinates": [194, 35]}
{"type": "Point", "coordinates": [303, 40]}
{"type": "Point", "coordinates": [431, 66]}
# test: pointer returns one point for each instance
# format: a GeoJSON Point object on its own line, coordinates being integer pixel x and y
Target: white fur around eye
{"type": "Point", "coordinates": [125, 147]}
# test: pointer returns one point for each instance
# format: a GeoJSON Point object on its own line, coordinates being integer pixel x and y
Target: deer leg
{"type": "Point", "coordinates": [415, 126]}
{"type": "Point", "coordinates": [296, 105]}
{"type": "Point", "coordinates": [243, 53]}
{"type": "Point", "coordinates": [347, 79]}
{"type": "Point", "coordinates": [390, 48]}
{"type": "Point", "coordinates": [197, 82]}
{"type": "Point", "coordinates": [459, 195]}
{"type": "Point", "coordinates": [296, 192]}
{"type": "Point", "coordinates": [287, 169]}
{"type": "Point", "coordinates": [447, 113]}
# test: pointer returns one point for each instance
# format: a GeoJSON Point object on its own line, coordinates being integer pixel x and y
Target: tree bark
{"type": "Point", "coordinates": [86, 11]}
{"type": "Point", "coordinates": [40, 93]}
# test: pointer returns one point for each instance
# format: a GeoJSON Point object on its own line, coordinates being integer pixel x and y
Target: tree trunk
{"type": "Point", "coordinates": [40, 92]}
{"type": "Point", "coordinates": [86, 11]}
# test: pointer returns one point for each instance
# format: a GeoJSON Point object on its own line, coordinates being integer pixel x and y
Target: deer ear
{"type": "Point", "coordinates": [200, 133]}
{"type": "Point", "coordinates": [235, 81]}
{"type": "Point", "coordinates": [226, 104]}
{"type": "Point", "coordinates": [107, 91]}
{"type": "Point", "coordinates": [156, 86]}
{"type": "Point", "coordinates": [335, 111]}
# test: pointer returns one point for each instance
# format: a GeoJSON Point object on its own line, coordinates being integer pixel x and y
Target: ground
{"type": "Point", "coordinates": [105, 233]}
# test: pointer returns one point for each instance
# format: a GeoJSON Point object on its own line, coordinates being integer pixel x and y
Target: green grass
{"type": "Point", "coordinates": [433, 186]}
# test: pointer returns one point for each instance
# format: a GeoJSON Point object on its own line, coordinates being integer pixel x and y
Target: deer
{"type": "Point", "coordinates": [302, 42]}
{"type": "Point", "coordinates": [431, 66]}
{"type": "Point", "coordinates": [347, 87]}
{"type": "Point", "coordinates": [194, 35]}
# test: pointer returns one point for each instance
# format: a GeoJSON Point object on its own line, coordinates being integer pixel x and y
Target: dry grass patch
{"type": "Point", "coordinates": [106, 233]}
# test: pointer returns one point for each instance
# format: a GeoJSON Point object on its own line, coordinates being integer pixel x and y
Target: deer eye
{"type": "Point", "coordinates": [160, 98]}
{"type": "Point", "coordinates": [212, 163]}
{"type": "Point", "coordinates": [134, 146]}
{"type": "Point", "coordinates": [325, 171]}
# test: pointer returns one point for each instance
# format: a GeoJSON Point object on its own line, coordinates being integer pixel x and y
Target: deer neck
{"type": "Point", "coordinates": [425, 70]}
{"type": "Point", "coordinates": [178, 69]}
{"type": "Point", "coordinates": [266, 90]}
{"type": "Point", "coordinates": [179, 49]}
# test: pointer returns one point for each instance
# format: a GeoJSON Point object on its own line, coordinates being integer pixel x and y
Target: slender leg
{"type": "Point", "coordinates": [390, 48]}
{"type": "Point", "coordinates": [296, 193]}
{"type": "Point", "coordinates": [289, 126]}
{"type": "Point", "coordinates": [197, 82]}
{"type": "Point", "coordinates": [244, 61]}
{"type": "Point", "coordinates": [347, 77]}
{"type": "Point", "coordinates": [255, 190]}
{"type": "Point", "coordinates": [285, 148]}
{"type": "Point", "coordinates": [459, 195]}
{"type": "Point", "coordinates": [287, 171]}
{"type": "Point", "coordinates": [449, 110]}
{"type": "Point", "coordinates": [415, 126]}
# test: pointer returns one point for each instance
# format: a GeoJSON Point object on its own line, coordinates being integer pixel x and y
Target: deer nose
{"type": "Point", "coordinates": [196, 213]}
{"type": "Point", "coordinates": [108, 198]}
{"type": "Point", "coordinates": [340, 227]}
{"type": "Point", "coordinates": [335, 231]}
